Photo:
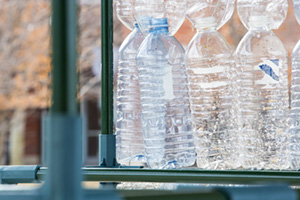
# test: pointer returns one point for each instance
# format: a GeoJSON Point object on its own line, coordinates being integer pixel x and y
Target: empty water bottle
{"type": "Point", "coordinates": [166, 116]}
{"type": "Point", "coordinates": [129, 134]}
{"type": "Point", "coordinates": [262, 73]}
{"type": "Point", "coordinates": [211, 72]}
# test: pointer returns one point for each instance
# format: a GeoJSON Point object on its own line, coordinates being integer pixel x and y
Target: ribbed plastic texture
{"type": "Point", "coordinates": [125, 12]}
{"type": "Point", "coordinates": [295, 99]}
{"type": "Point", "coordinates": [129, 133]}
{"type": "Point", "coordinates": [262, 78]}
{"type": "Point", "coordinates": [166, 115]}
{"type": "Point", "coordinates": [211, 72]}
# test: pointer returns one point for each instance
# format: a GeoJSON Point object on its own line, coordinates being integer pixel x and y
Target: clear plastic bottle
{"type": "Point", "coordinates": [173, 10]}
{"type": "Point", "coordinates": [129, 132]}
{"type": "Point", "coordinates": [211, 72]}
{"type": "Point", "coordinates": [125, 12]}
{"type": "Point", "coordinates": [295, 99]}
{"type": "Point", "coordinates": [262, 78]}
{"type": "Point", "coordinates": [166, 115]}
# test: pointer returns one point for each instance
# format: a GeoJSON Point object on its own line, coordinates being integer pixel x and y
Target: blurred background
{"type": "Point", "coordinates": [25, 65]}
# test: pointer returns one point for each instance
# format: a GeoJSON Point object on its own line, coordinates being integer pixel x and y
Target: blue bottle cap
{"type": "Point", "coordinates": [159, 25]}
{"type": "Point", "coordinates": [159, 21]}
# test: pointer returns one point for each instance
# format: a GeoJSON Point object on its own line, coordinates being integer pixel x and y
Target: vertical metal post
{"type": "Point", "coordinates": [63, 126]}
{"type": "Point", "coordinates": [64, 73]}
{"type": "Point", "coordinates": [64, 176]}
{"type": "Point", "coordinates": [107, 67]}
{"type": "Point", "coordinates": [107, 140]}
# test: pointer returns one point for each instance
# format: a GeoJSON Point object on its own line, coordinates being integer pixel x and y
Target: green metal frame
{"type": "Point", "coordinates": [33, 174]}
{"type": "Point", "coordinates": [64, 72]}
{"type": "Point", "coordinates": [107, 139]}
{"type": "Point", "coordinates": [18, 174]}
{"type": "Point", "coordinates": [107, 101]}
{"type": "Point", "coordinates": [184, 176]}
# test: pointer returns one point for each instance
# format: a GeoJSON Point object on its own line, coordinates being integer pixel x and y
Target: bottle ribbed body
{"type": "Point", "coordinates": [211, 73]}
{"type": "Point", "coordinates": [295, 83]}
{"type": "Point", "coordinates": [166, 116]}
{"type": "Point", "coordinates": [125, 12]}
{"type": "Point", "coordinates": [129, 134]}
{"type": "Point", "coordinates": [263, 93]}
{"type": "Point", "coordinates": [295, 108]}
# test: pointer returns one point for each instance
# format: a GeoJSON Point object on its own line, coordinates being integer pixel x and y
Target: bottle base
{"type": "Point", "coordinates": [137, 160]}
{"type": "Point", "coordinates": [171, 164]}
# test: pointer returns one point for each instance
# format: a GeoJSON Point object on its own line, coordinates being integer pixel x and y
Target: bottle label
{"type": "Point", "coordinates": [270, 68]}
{"type": "Point", "coordinates": [168, 83]}
{"type": "Point", "coordinates": [211, 71]}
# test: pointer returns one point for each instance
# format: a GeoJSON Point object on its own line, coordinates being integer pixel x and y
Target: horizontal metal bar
{"type": "Point", "coordinates": [101, 194]}
{"type": "Point", "coordinates": [18, 174]}
{"type": "Point", "coordinates": [186, 176]}
{"type": "Point", "coordinates": [172, 195]}
{"type": "Point", "coordinates": [206, 193]}
{"type": "Point", "coordinates": [18, 194]}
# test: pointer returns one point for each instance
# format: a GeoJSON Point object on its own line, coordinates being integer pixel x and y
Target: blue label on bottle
{"type": "Point", "coordinates": [271, 69]}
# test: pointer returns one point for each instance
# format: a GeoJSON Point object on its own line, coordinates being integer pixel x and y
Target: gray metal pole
{"type": "Point", "coordinates": [63, 125]}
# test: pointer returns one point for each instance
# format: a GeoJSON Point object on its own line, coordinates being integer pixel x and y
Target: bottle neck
{"type": "Point", "coordinates": [160, 26]}
{"type": "Point", "coordinates": [203, 30]}
{"type": "Point", "coordinates": [159, 29]}
{"type": "Point", "coordinates": [206, 24]}
{"type": "Point", "coordinates": [260, 29]}
{"type": "Point", "coordinates": [260, 23]}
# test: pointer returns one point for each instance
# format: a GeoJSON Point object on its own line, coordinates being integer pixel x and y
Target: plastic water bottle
{"type": "Point", "coordinates": [211, 71]}
{"type": "Point", "coordinates": [295, 99]}
{"type": "Point", "coordinates": [262, 73]}
{"type": "Point", "coordinates": [129, 132]}
{"type": "Point", "coordinates": [166, 119]}
{"type": "Point", "coordinates": [125, 12]}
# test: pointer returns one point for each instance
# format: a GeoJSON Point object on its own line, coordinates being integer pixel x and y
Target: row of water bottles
{"type": "Point", "coordinates": [207, 104]}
